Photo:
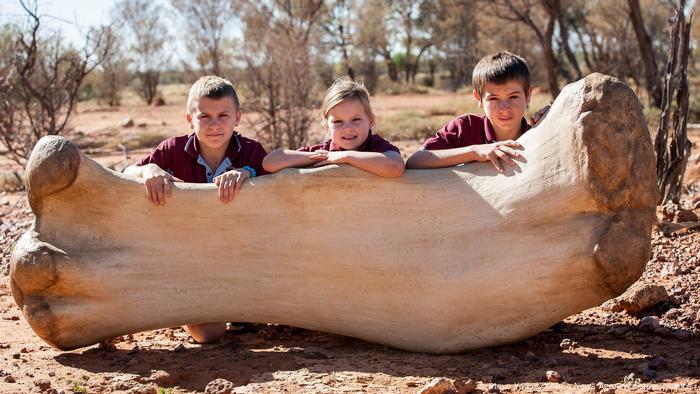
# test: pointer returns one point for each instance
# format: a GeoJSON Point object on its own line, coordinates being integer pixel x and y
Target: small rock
{"type": "Point", "coordinates": [42, 384]}
{"type": "Point", "coordinates": [179, 348]}
{"type": "Point", "coordinates": [465, 386]}
{"type": "Point", "coordinates": [219, 386]}
{"type": "Point", "coordinates": [658, 363]}
{"type": "Point", "coordinates": [493, 388]}
{"type": "Point", "coordinates": [412, 384]}
{"type": "Point", "coordinates": [638, 297]}
{"type": "Point", "coordinates": [134, 350]}
{"type": "Point", "coordinates": [619, 331]}
{"type": "Point", "coordinates": [672, 313]}
{"type": "Point", "coordinates": [553, 376]}
{"type": "Point", "coordinates": [567, 344]}
{"type": "Point", "coordinates": [16, 356]}
{"type": "Point", "coordinates": [648, 374]}
{"type": "Point", "coordinates": [438, 386]}
{"type": "Point", "coordinates": [649, 324]}
{"type": "Point", "coordinates": [9, 379]}
{"type": "Point", "coordinates": [128, 122]}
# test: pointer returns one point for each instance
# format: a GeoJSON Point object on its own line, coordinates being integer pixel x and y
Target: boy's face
{"type": "Point", "coordinates": [214, 120]}
{"type": "Point", "coordinates": [504, 105]}
{"type": "Point", "coordinates": [348, 124]}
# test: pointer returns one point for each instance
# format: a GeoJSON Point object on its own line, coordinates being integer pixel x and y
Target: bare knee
{"type": "Point", "coordinates": [206, 332]}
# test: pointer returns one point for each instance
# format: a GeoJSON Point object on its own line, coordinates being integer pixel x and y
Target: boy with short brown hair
{"type": "Point", "coordinates": [214, 152]}
{"type": "Point", "coordinates": [502, 87]}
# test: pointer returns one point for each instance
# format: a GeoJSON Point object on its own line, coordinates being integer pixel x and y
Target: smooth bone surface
{"type": "Point", "coordinates": [435, 261]}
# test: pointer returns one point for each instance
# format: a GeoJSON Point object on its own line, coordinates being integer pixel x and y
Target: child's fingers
{"type": "Point", "coordinates": [221, 190]}
{"type": "Point", "coordinates": [505, 157]}
{"type": "Point", "coordinates": [168, 187]}
{"type": "Point", "coordinates": [239, 183]}
{"type": "Point", "coordinates": [510, 143]}
{"type": "Point", "coordinates": [494, 160]}
{"type": "Point", "coordinates": [509, 151]}
{"type": "Point", "coordinates": [318, 156]}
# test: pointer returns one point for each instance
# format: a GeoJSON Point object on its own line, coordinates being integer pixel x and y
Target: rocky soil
{"type": "Point", "coordinates": [648, 339]}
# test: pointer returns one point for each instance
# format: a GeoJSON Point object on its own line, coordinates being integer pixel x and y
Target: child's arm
{"type": "Point", "coordinates": [284, 158]}
{"type": "Point", "coordinates": [157, 181]}
{"type": "Point", "coordinates": [503, 150]}
{"type": "Point", "coordinates": [229, 183]}
{"type": "Point", "coordinates": [388, 164]}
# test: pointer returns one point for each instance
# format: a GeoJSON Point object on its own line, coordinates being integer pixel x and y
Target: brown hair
{"type": "Point", "coordinates": [499, 68]}
{"type": "Point", "coordinates": [211, 86]}
{"type": "Point", "coordinates": [344, 89]}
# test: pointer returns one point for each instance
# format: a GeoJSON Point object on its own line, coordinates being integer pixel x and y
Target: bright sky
{"type": "Point", "coordinates": [69, 16]}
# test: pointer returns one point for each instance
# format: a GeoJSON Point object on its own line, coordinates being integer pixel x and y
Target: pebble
{"type": "Point", "coordinates": [42, 384]}
{"type": "Point", "coordinates": [438, 386]}
{"type": "Point", "coordinates": [9, 379]}
{"type": "Point", "coordinates": [567, 344]}
{"type": "Point", "coordinates": [493, 388]}
{"type": "Point", "coordinates": [179, 348]}
{"type": "Point", "coordinates": [465, 386]}
{"type": "Point", "coordinates": [553, 376]}
{"type": "Point", "coordinates": [219, 386]}
{"type": "Point", "coordinates": [619, 331]}
{"type": "Point", "coordinates": [649, 324]}
{"type": "Point", "coordinates": [658, 363]}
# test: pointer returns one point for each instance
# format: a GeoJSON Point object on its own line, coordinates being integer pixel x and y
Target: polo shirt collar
{"type": "Point", "coordinates": [192, 147]}
{"type": "Point", "coordinates": [330, 146]}
{"type": "Point", "coordinates": [490, 134]}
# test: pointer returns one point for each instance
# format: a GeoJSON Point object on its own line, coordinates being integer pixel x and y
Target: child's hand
{"type": "Point", "coordinates": [537, 116]}
{"type": "Point", "coordinates": [230, 183]}
{"type": "Point", "coordinates": [325, 157]}
{"type": "Point", "coordinates": [503, 150]}
{"type": "Point", "coordinates": [158, 183]}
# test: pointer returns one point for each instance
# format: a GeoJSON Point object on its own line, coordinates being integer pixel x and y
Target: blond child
{"type": "Point", "coordinates": [348, 118]}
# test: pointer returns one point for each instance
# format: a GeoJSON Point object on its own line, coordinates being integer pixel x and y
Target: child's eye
{"type": "Point", "coordinates": [337, 122]}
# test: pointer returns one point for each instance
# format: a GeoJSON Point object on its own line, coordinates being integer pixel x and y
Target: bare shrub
{"type": "Point", "coordinates": [143, 25]}
{"type": "Point", "coordinates": [277, 51]}
{"type": "Point", "coordinates": [39, 82]}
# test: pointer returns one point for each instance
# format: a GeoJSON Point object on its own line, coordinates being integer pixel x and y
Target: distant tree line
{"type": "Point", "coordinates": [283, 53]}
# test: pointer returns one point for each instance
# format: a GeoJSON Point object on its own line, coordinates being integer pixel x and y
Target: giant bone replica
{"type": "Point", "coordinates": [435, 261]}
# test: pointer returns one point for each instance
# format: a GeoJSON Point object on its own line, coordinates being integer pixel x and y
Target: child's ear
{"type": "Point", "coordinates": [478, 98]}
{"type": "Point", "coordinates": [528, 95]}
{"type": "Point", "coordinates": [188, 117]}
{"type": "Point", "coordinates": [238, 118]}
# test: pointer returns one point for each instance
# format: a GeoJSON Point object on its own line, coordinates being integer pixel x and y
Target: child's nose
{"type": "Point", "coordinates": [504, 104]}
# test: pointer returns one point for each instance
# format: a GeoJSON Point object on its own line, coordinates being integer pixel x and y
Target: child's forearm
{"type": "Point", "coordinates": [285, 158]}
{"type": "Point", "coordinates": [389, 165]}
{"type": "Point", "coordinates": [424, 158]}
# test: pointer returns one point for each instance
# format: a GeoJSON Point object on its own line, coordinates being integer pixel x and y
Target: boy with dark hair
{"type": "Point", "coordinates": [213, 153]}
{"type": "Point", "coordinates": [502, 87]}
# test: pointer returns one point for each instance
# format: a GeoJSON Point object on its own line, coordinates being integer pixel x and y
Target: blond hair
{"type": "Point", "coordinates": [344, 89]}
{"type": "Point", "coordinates": [499, 68]}
{"type": "Point", "coordinates": [214, 87]}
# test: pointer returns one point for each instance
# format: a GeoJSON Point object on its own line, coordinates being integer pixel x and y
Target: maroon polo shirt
{"type": "Point", "coordinates": [178, 156]}
{"type": "Point", "coordinates": [469, 129]}
{"type": "Point", "coordinates": [373, 143]}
